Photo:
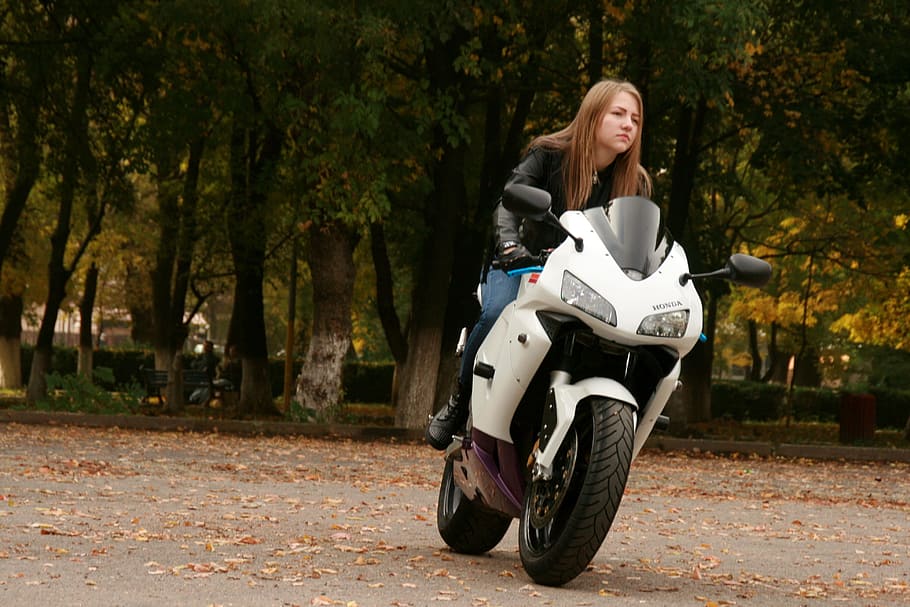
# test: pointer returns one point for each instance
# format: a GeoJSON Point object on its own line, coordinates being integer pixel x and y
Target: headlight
{"type": "Point", "coordinates": [581, 296]}
{"type": "Point", "coordinates": [665, 324]}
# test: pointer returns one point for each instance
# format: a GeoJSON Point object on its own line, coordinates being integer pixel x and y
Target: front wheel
{"type": "Point", "coordinates": [565, 519]}
{"type": "Point", "coordinates": [466, 526]}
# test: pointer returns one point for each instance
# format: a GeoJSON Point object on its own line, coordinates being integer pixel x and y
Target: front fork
{"type": "Point", "coordinates": [559, 414]}
{"type": "Point", "coordinates": [548, 425]}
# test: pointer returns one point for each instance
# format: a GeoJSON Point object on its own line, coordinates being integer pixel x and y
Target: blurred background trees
{"type": "Point", "coordinates": [191, 152]}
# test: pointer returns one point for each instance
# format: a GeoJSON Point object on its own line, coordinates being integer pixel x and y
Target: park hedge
{"type": "Point", "coordinates": [372, 383]}
{"type": "Point", "coordinates": [745, 400]}
{"type": "Point", "coordinates": [361, 382]}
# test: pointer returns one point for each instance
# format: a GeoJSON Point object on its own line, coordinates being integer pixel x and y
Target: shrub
{"type": "Point", "coordinates": [892, 407]}
{"type": "Point", "coordinates": [368, 382]}
{"type": "Point", "coordinates": [79, 393]}
{"type": "Point", "coordinates": [815, 404]}
{"type": "Point", "coordinates": [747, 400]}
{"type": "Point", "coordinates": [124, 364]}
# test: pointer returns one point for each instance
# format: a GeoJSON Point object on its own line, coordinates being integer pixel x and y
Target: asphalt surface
{"type": "Point", "coordinates": [114, 516]}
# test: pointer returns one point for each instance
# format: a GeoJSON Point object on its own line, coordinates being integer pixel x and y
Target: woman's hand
{"type": "Point", "coordinates": [513, 256]}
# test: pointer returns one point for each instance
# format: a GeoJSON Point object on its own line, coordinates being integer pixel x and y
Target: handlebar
{"type": "Point", "coordinates": [535, 264]}
{"type": "Point", "coordinates": [526, 270]}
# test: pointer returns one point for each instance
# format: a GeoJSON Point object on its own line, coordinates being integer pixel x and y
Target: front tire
{"type": "Point", "coordinates": [466, 526]}
{"type": "Point", "coordinates": [566, 519]}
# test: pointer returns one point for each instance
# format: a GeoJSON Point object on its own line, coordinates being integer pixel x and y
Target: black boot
{"type": "Point", "coordinates": [448, 420]}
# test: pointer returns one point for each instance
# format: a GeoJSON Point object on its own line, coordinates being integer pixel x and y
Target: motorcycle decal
{"type": "Point", "coordinates": [669, 305]}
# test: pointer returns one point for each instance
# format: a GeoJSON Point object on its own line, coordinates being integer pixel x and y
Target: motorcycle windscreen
{"type": "Point", "coordinates": [632, 230]}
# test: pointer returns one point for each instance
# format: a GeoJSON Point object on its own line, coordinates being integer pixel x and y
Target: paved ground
{"type": "Point", "coordinates": [127, 517]}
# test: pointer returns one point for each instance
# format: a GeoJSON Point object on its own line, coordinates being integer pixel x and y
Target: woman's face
{"type": "Point", "coordinates": [617, 130]}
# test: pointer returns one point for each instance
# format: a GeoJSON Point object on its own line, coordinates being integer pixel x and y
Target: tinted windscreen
{"type": "Point", "coordinates": [632, 230]}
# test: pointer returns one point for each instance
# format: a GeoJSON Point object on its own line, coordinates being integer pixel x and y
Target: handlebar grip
{"type": "Point", "coordinates": [536, 263]}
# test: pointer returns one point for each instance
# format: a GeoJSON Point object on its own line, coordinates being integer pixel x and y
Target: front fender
{"type": "Point", "coordinates": [560, 413]}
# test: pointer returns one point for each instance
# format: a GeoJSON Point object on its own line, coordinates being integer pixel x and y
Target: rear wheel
{"type": "Point", "coordinates": [466, 526]}
{"type": "Point", "coordinates": [566, 519]}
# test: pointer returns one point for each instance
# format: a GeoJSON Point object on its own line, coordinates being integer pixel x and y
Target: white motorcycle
{"type": "Point", "coordinates": [570, 381]}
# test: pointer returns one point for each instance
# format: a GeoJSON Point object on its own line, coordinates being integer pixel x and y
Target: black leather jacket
{"type": "Point", "coordinates": [542, 168]}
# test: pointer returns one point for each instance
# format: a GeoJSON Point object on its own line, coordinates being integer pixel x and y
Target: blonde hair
{"type": "Point", "coordinates": [576, 141]}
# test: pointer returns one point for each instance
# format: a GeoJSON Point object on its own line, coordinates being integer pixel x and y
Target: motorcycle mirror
{"type": "Point", "coordinates": [748, 271]}
{"type": "Point", "coordinates": [741, 269]}
{"type": "Point", "coordinates": [526, 201]}
{"type": "Point", "coordinates": [534, 204]}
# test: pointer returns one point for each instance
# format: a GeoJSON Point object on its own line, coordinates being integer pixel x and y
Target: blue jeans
{"type": "Point", "coordinates": [498, 291]}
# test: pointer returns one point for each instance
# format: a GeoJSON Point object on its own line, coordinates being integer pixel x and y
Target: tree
{"type": "Point", "coordinates": [351, 166]}
{"type": "Point", "coordinates": [22, 85]}
{"type": "Point", "coordinates": [86, 161]}
{"type": "Point", "coordinates": [169, 82]}
{"type": "Point", "coordinates": [475, 68]}
{"type": "Point", "coordinates": [75, 134]}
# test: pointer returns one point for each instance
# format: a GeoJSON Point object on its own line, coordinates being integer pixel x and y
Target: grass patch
{"type": "Point", "coordinates": [367, 414]}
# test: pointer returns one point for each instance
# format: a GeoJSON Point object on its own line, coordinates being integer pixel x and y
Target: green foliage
{"type": "Point", "coordinates": [305, 415]}
{"type": "Point", "coordinates": [804, 105]}
{"type": "Point", "coordinates": [77, 393]}
{"type": "Point", "coordinates": [892, 407]}
{"type": "Point", "coordinates": [753, 401]}
{"type": "Point", "coordinates": [124, 365]}
{"type": "Point", "coordinates": [747, 400]}
{"type": "Point", "coordinates": [368, 382]}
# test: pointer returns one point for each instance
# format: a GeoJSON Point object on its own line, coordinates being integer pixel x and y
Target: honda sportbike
{"type": "Point", "coordinates": [571, 381]}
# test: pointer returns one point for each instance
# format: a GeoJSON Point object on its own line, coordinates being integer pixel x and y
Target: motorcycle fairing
{"type": "Point", "coordinates": [518, 342]}
{"type": "Point", "coordinates": [494, 399]}
{"type": "Point", "coordinates": [648, 415]}
{"type": "Point", "coordinates": [485, 469]}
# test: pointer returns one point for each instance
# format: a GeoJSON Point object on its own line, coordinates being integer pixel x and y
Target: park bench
{"type": "Point", "coordinates": [155, 380]}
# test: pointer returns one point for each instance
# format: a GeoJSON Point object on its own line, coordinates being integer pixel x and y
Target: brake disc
{"type": "Point", "coordinates": [547, 496]}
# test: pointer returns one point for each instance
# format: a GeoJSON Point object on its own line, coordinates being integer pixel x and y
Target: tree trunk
{"type": "Point", "coordinates": [254, 154]}
{"type": "Point", "coordinates": [690, 125]}
{"type": "Point", "coordinates": [807, 372]}
{"type": "Point", "coordinates": [44, 347]}
{"type": "Point", "coordinates": [165, 334]}
{"type": "Point", "coordinates": [595, 41]}
{"type": "Point", "coordinates": [58, 272]}
{"type": "Point", "coordinates": [331, 260]}
{"type": "Point", "coordinates": [22, 152]}
{"type": "Point", "coordinates": [756, 364]}
{"type": "Point", "coordinates": [11, 341]}
{"type": "Point", "coordinates": [385, 300]}
{"type": "Point", "coordinates": [288, 388]}
{"type": "Point", "coordinates": [20, 161]}
{"type": "Point", "coordinates": [696, 368]}
{"type": "Point", "coordinates": [417, 382]}
{"type": "Point", "coordinates": [173, 393]}
{"type": "Point", "coordinates": [173, 262]}
{"type": "Point", "coordinates": [774, 357]}
{"type": "Point", "coordinates": [142, 325]}
{"type": "Point", "coordinates": [86, 307]}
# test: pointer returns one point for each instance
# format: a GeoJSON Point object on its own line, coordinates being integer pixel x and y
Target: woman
{"type": "Point", "coordinates": [593, 160]}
